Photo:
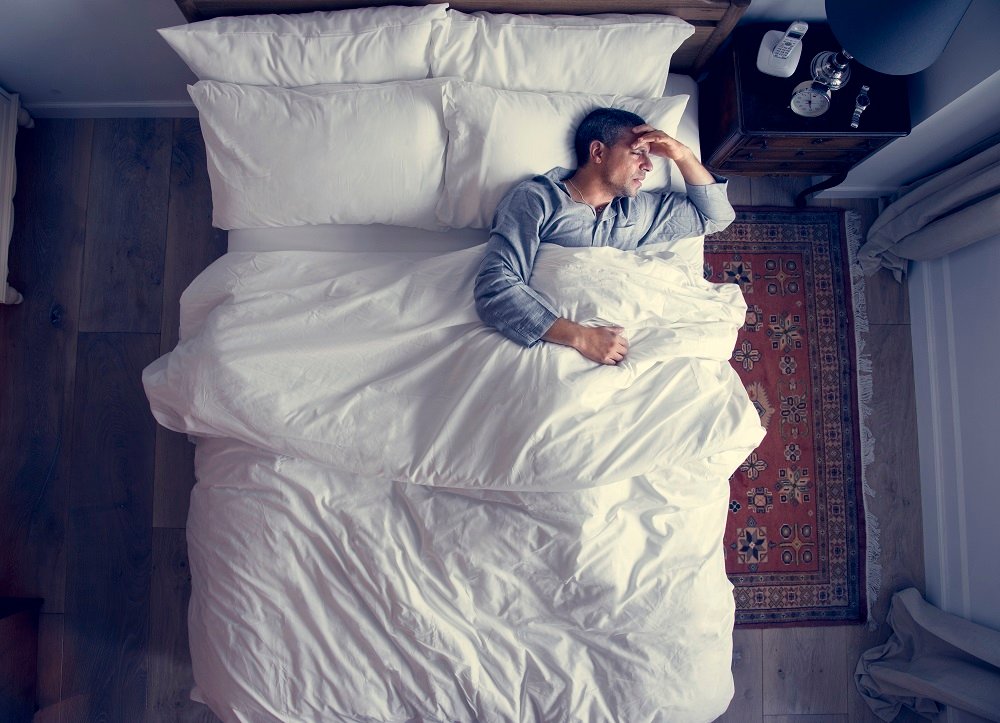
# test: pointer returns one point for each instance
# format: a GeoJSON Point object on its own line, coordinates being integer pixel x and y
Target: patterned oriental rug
{"type": "Point", "coordinates": [796, 547]}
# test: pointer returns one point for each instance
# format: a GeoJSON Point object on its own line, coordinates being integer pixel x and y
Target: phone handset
{"type": "Point", "coordinates": [791, 39]}
{"type": "Point", "coordinates": [780, 51]}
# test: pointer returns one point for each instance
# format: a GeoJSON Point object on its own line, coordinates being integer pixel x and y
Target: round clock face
{"type": "Point", "coordinates": [810, 99]}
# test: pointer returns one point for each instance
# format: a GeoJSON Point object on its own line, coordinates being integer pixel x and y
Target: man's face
{"type": "Point", "coordinates": [624, 167]}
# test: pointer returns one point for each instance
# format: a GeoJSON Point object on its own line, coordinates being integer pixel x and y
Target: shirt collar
{"type": "Point", "coordinates": [558, 176]}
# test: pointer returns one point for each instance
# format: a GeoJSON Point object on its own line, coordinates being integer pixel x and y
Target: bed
{"type": "Point", "coordinates": [400, 515]}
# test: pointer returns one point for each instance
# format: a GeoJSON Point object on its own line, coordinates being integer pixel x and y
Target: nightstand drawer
{"type": "Point", "coordinates": [865, 144]}
{"type": "Point", "coordinates": [790, 167]}
{"type": "Point", "coordinates": [820, 155]}
{"type": "Point", "coordinates": [795, 154]}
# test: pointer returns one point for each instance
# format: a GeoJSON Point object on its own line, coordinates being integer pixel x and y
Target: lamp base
{"type": "Point", "coordinates": [832, 69]}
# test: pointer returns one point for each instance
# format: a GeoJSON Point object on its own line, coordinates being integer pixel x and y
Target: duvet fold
{"type": "Point", "coordinates": [402, 515]}
{"type": "Point", "coordinates": [387, 371]}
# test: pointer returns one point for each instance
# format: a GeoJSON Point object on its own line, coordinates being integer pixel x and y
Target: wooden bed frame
{"type": "Point", "coordinates": [713, 19]}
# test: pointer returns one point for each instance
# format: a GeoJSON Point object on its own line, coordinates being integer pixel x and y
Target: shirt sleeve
{"type": "Point", "coordinates": [503, 298]}
{"type": "Point", "coordinates": [704, 210]}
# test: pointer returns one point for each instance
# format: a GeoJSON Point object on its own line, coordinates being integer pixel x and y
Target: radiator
{"type": "Point", "coordinates": [11, 115]}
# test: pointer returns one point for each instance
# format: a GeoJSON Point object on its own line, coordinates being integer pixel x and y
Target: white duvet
{"type": "Point", "coordinates": [401, 515]}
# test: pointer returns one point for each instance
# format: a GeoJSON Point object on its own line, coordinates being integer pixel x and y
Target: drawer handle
{"type": "Point", "coordinates": [748, 157]}
{"type": "Point", "coordinates": [818, 141]}
{"type": "Point", "coordinates": [763, 144]}
{"type": "Point", "coordinates": [800, 153]}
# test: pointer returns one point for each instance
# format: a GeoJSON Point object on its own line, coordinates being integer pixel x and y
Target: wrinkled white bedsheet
{"type": "Point", "coordinates": [400, 515]}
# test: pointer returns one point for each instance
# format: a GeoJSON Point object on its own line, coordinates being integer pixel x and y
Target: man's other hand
{"type": "Point", "coordinates": [601, 344]}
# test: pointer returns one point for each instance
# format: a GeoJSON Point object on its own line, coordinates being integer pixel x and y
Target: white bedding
{"type": "Point", "coordinates": [402, 516]}
{"type": "Point", "coordinates": [428, 522]}
{"type": "Point", "coordinates": [419, 242]}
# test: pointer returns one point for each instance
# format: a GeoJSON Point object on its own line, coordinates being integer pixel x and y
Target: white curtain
{"type": "Point", "coordinates": [937, 215]}
{"type": "Point", "coordinates": [931, 660]}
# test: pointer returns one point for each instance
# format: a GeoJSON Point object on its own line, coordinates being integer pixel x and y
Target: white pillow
{"type": "Point", "coordinates": [497, 138]}
{"type": "Point", "coordinates": [607, 54]}
{"type": "Point", "coordinates": [323, 154]}
{"type": "Point", "coordinates": [367, 45]}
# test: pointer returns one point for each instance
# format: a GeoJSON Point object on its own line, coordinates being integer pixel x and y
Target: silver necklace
{"type": "Point", "coordinates": [579, 192]}
{"type": "Point", "coordinates": [593, 208]}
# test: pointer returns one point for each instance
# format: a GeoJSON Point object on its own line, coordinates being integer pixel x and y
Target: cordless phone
{"type": "Point", "coordinates": [779, 51]}
{"type": "Point", "coordinates": [790, 40]}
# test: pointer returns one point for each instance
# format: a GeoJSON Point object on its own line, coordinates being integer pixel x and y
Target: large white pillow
{"type": "Point", "coordinates": [323, 154]}
{"type": "Point", "coordinates": [607, 54]}
{"type": "Point", "coordinates": [367, 45]}
{"type": "Point", "coordinates": [497, 138]}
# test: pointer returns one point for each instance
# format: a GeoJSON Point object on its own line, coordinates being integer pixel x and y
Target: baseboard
{"type": "Point", "coordinates": [137, 109]}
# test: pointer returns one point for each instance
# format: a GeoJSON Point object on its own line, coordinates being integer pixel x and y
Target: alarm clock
{"type": "Point", "coordinates": [810, 99]}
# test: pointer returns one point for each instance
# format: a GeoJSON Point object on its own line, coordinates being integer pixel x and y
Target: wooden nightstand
{"type": "Point", "coordinates": [747, 128]}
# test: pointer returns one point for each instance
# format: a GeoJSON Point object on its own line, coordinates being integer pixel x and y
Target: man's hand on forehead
{"type": "Point", "coordinates": [657, 143]}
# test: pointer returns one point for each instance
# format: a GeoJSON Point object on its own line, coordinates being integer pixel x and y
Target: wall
{"type": "Point", "coordinates": [970, 58]}
{"type": "Point", "coordinates": [92, 59]}
{"type": "Point", "coordinates": [763, 11]}
{"type": "Point", "coordinates": [956, 345]}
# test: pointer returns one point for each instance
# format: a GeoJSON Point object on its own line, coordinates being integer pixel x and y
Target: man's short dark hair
{"type": "Point", "coordinates": [605, 125]}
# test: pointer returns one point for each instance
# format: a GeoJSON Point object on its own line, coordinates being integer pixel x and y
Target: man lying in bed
{"type": "Point", "coordinates": [598, 204]}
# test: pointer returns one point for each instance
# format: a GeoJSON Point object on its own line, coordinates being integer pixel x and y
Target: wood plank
{"type": "Point", "coordinates": [777, 190]}
{"type": "Point", "coordinates": [805, 671]}
{"type": "Point", "coordinates": [170, 677]}
{"type": "Point", "coordinates": [18, 658]}
{"type": "Point", "coordinates": [192, 244]}
{"type": "Point", "coordinates": [887, 299]}
{"type": "Point", "coordinates": [740, 193]}
{"type": "Point", "coordinates": [747, 705]}
{"type": "Point", "coordinates": [126, 226]}
{"type": "Point", "coordinates": [69, 710]}
{"type": "Point", "coordinates": [109, 530]}
{"type": "Point", "coordinates": [38, 357]}
{"type": "Point", "coordinates": [50, 647]}
{"type": "Point", "coordinates": [895, 472]}
{"type": "Point", "coordinates": [895, 477]}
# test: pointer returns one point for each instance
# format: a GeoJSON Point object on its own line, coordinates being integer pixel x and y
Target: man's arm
{"type": "Point", "coordinates": [506, 302]}
{"type": "Point", "coordinates": [503, 298]}
{"type": "Point", "coordinates": [691, 169]}
{"type": "Point", "coordinates": [707, 208]}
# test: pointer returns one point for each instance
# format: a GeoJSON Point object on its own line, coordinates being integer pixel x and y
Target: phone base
{"type": "Point", "coordinates": [767, 63]}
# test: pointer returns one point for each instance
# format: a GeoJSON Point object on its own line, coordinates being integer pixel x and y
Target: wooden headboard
{"type": "Point", "coordinates": [713, 19]}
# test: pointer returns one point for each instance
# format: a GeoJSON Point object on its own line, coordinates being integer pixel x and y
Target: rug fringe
{"type": "Point", "coordinates": [873, 556]}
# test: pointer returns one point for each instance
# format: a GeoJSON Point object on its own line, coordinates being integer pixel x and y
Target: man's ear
{"type": "Point", "coordinates": [597, 150]}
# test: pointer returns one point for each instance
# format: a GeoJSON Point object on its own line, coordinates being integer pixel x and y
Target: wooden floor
{"type": "Point", "coordinates": [111, 223]}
